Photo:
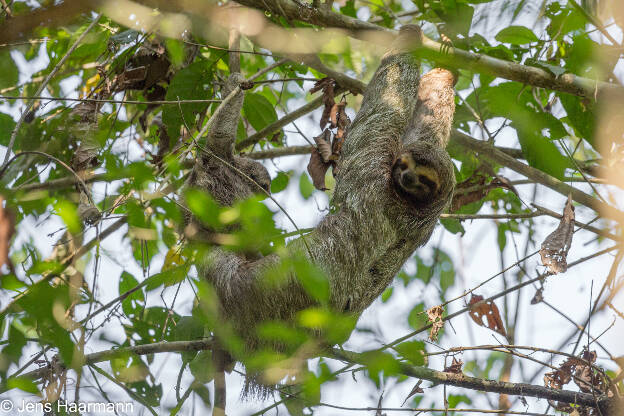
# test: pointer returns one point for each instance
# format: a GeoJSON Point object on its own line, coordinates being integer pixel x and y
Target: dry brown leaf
{"type": "Point", "coordinates": [475, 189]}
{"type": "Point", "coordinates": [490, 311]}
{"type": "Point", "coordinates": [455, 367]}
{"type": "Point", "coordinates": [415, 389]}
{"type": "Point", "coordinates": [503, 182]}
{"type": "Point", "coordinates": [342, 123]}
{"type": "Point", "coordinates": [555, 247]}
{"type": "Point", "coordinates": [320, 84]}
{"type": "Point", "coordinates": [317, 170]}
{"type": "Point", "coordinates": [538, 297]}
{"type": "Point", "coordinates": [327, 85]}
{"type": "Point", "coordinates": [335, 114]}
{"type": "Point", "coordinates": [324, 146]}
{"type": "Point", "coordinates": [276, 137]}
{"type": "Point", "coordinates": [579, 370]}
{"type": "Point", "coordinates": [7, 228]}
{"type": "Point", "coordinates": [435, 317]}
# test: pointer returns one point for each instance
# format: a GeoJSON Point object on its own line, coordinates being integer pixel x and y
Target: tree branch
{"type": "Point", "coordinates": [455, 58]}
{"type": "Point", "coordinates": [459, 380]}
{"type": "Point", "coordinates": [473, 383]}
{"type": "Point", "coordinates": [106, 355]}
{"type": "Point", "coordinates": [22, 25]}
{"type": "Point", "coordinates": [490, 152]}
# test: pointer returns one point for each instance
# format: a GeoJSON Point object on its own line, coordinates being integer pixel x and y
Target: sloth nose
{"type": "Point", "coordinates": [409, 178]}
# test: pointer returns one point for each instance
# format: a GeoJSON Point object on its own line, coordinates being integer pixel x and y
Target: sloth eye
{"type": "Point", "coordinates": [425, 180]}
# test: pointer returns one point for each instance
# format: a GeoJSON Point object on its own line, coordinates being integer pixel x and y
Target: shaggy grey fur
{"type": "Point", "coordinates": [375, 227]}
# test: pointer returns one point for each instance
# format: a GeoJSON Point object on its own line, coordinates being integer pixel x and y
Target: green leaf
{"type": "Point", "coordinates": [175, 49]}
{"type": "Point", "coordinates": [378, 362]}
{"type": "Point", "coordinates": [9, 75]}
{"type": "Point", "coordinates": [517, 35]}
{"type": "Point", "coordinates": [280, 182]}
{"type": "Point", "coordinates": [188, 328]}
{"type": "Point", "coordinates": [542, 154]}
{"type": "Point", "coordinates": [581, 116]}
{"type": "Point", "coordinates": [281, 333]}
{"type": "Point", "coordinates": [69, 214]}
{"type": "Point", "coordinates": [553, 69]}
{"type": "Point", "coordinates": [349, 9]}
{"type": "Point", "coordinates": [202, 368]}
{"type": "Point", "coordinates": [190, 83]}
{"type": "Point", "coordinates": [203, 206]}
{"type": "Point", "coordinates": [23, 383]}
{"type": "Point", "coordinates": [417, 318]}
{"type": "Point", "coordinates": [413, 351]}
{"type": "Point", "coordinates": [387, 294]}
{"type": "Point", "coordinates": [455, 399]}
{"type": "Point", "coordinates": [129, 368]}
{"type": "Point", "coordinates": [453, 225]}
{"type": "Point", "coordinates": [501, 237]}
{"type": "Point", "coordinates": [305, 186]}
{"type": "Point", "coordinates": [134, 302]}
{"type": "Point", "coordinates": [6, 127]}
{"type": "Point", "coordinates": [312, 278]}
{"type": "Point", "coordinates": [258, 111]}
{"type": "Point", "coordinates": [444, 266]}
{"type": "Point", "coordinates": [167, 278]}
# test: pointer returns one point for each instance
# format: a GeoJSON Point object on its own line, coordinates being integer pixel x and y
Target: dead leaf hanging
{"type": "Point", "coordinates": [317, 169]}
{"type": "Point", "coordinates": [554, 251]}
{"type": "Point", "coordinates": [455, 367]}
{"type": "Point", "coordinates": [435, 317]}
{"type": "Point", "coordinates": [327, 85]}
{"type": "Point", "coordinates": [489, 310]}
{"type": "Point", "coordinates": [328, 150]}
{"type": "Point", "coordinates": [323, 143]}
{"type": "Point", "coordinates": [415, 389]}
{"type": "Point", "coordinates": [538, 297]}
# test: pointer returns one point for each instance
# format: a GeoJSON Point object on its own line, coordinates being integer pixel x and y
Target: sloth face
{"type": "Point", "coordinates": [257, 172]}
{"type": "Point", "coordinates": [417, 181]}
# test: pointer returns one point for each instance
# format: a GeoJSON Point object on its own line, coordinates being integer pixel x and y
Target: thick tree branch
{"type": "Point", "coordinates": [455, 58]}
{"type": "Point", "coordinates": [459, 380]}
{"type": "Point", "coordinates": [106, 355]}
{"type": "Point", "coordinates": [22, 25]}
{"type": "Point", "coordinates": [490, 152]}
{"type": "Point", "coordinates": [473, 383]}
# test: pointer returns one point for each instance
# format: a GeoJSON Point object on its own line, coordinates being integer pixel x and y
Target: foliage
{"type": "Point", "coordinates": [139, 153]}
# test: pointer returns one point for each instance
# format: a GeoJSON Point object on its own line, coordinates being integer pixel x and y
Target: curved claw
{"type": "Point", "coordinates": [445, 44]}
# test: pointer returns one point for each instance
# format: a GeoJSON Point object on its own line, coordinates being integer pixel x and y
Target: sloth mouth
{"type": "Point", "coordinates": [415, 180]}
{"type": "Point", "coordinates": [422, 183]}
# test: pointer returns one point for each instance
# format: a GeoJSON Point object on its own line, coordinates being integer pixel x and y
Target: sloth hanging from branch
{"type": "Point", "coordinates": [395, 180]}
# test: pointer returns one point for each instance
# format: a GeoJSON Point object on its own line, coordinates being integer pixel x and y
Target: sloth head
{"type": "Point", "coordinates": [256, 172]}
{"type": "Point", "coordinates": [423, 174]}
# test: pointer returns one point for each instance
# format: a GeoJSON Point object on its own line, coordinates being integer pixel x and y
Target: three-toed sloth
{"type": "Point", "coordinates": [395, 180]}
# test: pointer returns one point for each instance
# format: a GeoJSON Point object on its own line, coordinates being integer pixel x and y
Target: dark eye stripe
{"type": "Point", "coordinates": [426, 181]}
